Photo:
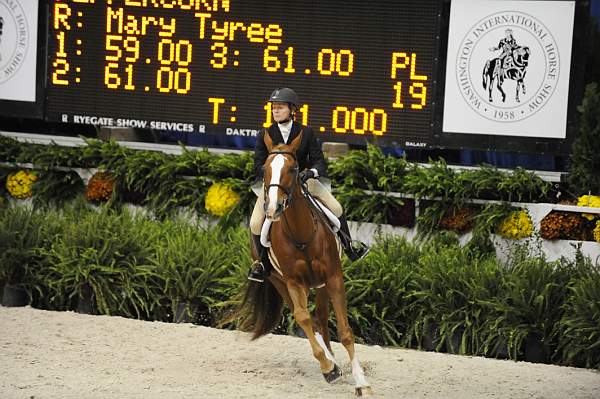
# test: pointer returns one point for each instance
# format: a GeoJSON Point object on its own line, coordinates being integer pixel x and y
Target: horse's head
{"type": "Point", "coordinates": [281, 176]}
{"type": "Point", "coordinates": [521, 56]}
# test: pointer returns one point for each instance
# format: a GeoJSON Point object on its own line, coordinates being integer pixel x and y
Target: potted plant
{"type": "Point", "coordinates": [89, 262]}
{"type": "Point", "coordinates": [19, 237]}
{"type": "Point", "coordinates": [190, 261]}
{"type": "Point", "coordinates": [529, 304]}
{"type": "Point", "coordinates": [579, 327]}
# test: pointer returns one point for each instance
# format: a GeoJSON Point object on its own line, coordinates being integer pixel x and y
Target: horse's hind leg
{"type": "Point", "coordinates": [322, 315]}
{"type": "Point", "coordinates": [335, 287]}
{"type": "Point", "coordinates": [299, 297]}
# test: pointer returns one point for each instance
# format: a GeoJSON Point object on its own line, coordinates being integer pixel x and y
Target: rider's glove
{"type": "Point", "coordinates": [306, 174]}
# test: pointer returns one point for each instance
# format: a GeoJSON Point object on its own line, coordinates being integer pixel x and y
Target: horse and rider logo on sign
{"type": "Point", "coordinates": [1, 25]}
{"type": "Point", "coordinates": [510, 64]}
{"type": "Point", "coordinates": [14, 38]}
{"type": "Point", "coordinates": [507, 66]}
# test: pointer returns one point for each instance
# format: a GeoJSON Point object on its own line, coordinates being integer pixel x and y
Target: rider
{"type": "Point", "coordinates": [507, 45]}
{"type": "Point", "coordinates": [285, 102]}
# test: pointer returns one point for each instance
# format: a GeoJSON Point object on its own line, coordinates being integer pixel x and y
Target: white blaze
{"type": "Point", "coordinates": [276, 166]}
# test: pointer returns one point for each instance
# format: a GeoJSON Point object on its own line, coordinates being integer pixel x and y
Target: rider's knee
{"type": "Point", "coordinates": [335, 207]}
{"type": "Point", "coordinates": [256, 221]}
{"type": "Point", "coordinates": [255, 228]}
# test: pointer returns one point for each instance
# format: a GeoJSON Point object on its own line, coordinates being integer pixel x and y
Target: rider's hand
{"type": "Point", "coordinates": [306, 174]}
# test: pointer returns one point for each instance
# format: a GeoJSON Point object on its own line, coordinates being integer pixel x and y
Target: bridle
{"type": "Point", "coordinates": [287, 190]}
{"type": "Point", "coordinates": [301, 246]}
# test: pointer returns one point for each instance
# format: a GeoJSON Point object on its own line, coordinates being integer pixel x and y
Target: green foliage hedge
{"type": "Point", "coordinates": [165, 182]}
{"type": "Point", "coordinates": [433, 294]}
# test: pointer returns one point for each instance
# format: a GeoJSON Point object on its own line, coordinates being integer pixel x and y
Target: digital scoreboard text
{"type": "Point", "coordinates": [361, 68]}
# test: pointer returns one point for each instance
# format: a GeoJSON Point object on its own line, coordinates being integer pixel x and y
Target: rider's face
{"type": "Point", "coordinates": [281, 111]}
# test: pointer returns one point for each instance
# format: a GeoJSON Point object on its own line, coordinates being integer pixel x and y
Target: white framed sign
{"type": "Point", "coordinates": [508, 67]}
{"type": "Point", "coordinates": [18, 49]}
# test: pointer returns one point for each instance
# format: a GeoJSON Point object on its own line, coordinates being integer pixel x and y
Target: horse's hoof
{"type": "Point", "coordinates": [363, 392]}
{"type": "Point", "coordinates": [334, 374]}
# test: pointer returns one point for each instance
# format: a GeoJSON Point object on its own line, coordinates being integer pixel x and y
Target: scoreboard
{"type": "Point", "coordinates": [362, 69]}
{"type": "Point", "coordinates": [399, 73]}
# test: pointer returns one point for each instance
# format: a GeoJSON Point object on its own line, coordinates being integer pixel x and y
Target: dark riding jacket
{"type": "Point", "coordinates": [309, 154]}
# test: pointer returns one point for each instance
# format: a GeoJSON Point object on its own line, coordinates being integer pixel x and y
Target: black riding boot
{"type": "Point", "coordinates": [260, 268]}
{"type": "Point", "coordinates": [354, 250]}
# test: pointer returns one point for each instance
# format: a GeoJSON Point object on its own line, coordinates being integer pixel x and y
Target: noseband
{"type": "Point", "coordinates": [287, 190]}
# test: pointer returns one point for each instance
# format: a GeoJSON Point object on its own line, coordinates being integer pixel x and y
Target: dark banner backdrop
{"type": "Point", "coordinates": [362, 69]}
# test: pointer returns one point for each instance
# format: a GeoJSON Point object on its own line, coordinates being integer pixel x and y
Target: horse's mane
{"type": "Point", "coordinates": [280, 147]}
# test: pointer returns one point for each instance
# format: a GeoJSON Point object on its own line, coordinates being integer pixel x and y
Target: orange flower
{"type": "Point", "coordinates": [100, 187]}
{"type": "Point", "coordinates": [562, 225]}
{"type": "Point", "coordinates": [458, 220]}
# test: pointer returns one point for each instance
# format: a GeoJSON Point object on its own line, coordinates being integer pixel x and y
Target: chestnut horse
{"type": "Point", "coordinates": [307, 256]}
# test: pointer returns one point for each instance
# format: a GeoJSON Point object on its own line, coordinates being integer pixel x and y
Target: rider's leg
{"type": "Point", "coordinates": [354, 250]}
{"type": "Point", "coordinates": [318, 189]}
{"type": "Point", "coordinates": [261, 266]}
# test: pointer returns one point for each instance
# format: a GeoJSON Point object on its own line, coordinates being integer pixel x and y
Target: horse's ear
{"type": "Point", "coordinates": [268, 141]}
{"type": "Point", "coordinates": [295, 144]}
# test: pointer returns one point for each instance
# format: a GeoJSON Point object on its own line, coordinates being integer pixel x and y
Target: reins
{"type": "Point", "coordinates": [303, 246]}
{"type": "Point", "coordinates": [316, 214]}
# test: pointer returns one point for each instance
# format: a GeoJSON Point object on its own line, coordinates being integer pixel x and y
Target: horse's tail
{"type": "Point", "coordinates": [259, 311]}
{"type": "Point", "coordinates": [486, 69]}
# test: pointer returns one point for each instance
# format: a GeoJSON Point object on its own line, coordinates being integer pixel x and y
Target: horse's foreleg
{"type": "Point", "coordinates": [335, 288]}
{"type": "Point", "coordinates": [322, 314]}
{"type": "Point", "coordinates": [299, 297]}
{"type": "Point", "coordinates": [499, 85]}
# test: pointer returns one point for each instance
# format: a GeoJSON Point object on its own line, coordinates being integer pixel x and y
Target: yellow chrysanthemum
{"type": "Point", "coordinates": [516, 226]}
{"type": "Point", "coordinates": [592, 201]}
{"type": "Point", "coordinates": [19, 184]}
{"type": "Point", "coordinates": [597, 231]}
{"type": "Point", "coordinates": [220, 199]}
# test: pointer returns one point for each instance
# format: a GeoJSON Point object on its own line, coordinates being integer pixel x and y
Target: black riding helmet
{"type": "Point", "coordinates": [285, 95]}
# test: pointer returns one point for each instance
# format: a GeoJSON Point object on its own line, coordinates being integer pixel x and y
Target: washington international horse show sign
{"type": "Point", "coordinates": [508, 67]}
